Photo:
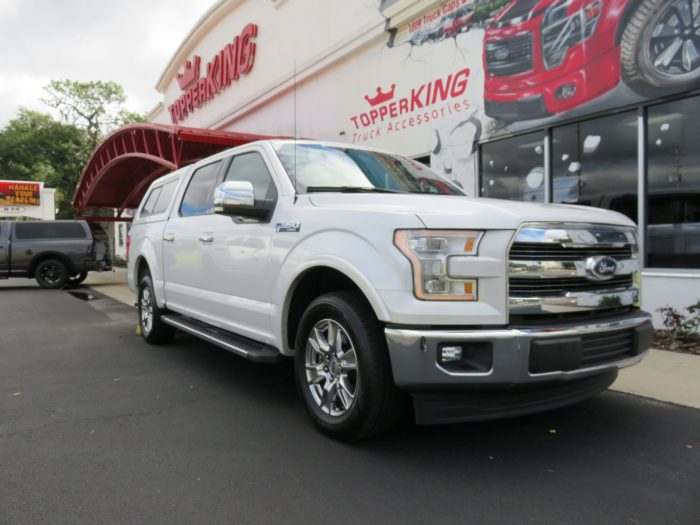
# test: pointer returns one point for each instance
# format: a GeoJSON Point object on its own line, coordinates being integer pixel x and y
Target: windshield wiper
{"type": "Point", "coordinates": [348, 189]}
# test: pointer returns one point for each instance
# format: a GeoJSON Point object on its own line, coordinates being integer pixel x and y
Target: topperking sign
{"type": "Point", "coordinates": [235, 59]}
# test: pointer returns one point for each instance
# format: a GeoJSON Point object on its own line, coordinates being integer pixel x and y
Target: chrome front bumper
{"type": "Point", "coordinates": [416, 365]}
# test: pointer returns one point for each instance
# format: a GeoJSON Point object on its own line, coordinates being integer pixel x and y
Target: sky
{"type": "Point", "coordinates": [127, 41]}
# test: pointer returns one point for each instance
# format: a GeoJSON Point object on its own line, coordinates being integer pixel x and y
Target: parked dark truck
{"type": "Point", "coordinates": [55, 253]}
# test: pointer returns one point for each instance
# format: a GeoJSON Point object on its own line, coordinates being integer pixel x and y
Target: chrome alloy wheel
{"type": "Point", "coordinates": [146, 309]}
{"type": "Point", "coordinates": [674, 46]}
{"type": "Point", "coordinates": [52, 273]}
{"type": "Point", "coordinates": [331, 367]}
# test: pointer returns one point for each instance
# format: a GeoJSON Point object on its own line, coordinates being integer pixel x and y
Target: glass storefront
{"type": "Point", "coordinates": [673, 183]}
{"type": "Point", "coordinates": [514, 168]}
{"type": "Point", "coordinates": [586, 155]}
{"type": "Point", "coordinates": [595, 162]}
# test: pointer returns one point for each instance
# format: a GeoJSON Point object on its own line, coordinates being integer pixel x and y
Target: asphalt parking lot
{"type": "Point", "coordinates": [98, 427]}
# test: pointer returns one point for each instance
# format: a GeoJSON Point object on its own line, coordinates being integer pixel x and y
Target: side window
{"type": "Point", "coordinates": [251, 167]}
{"type": "Point", "coordinates": [49, 230]}
{"type": "Point", "coordinates": [199, 196]}
{"type": "Point", "coordinates": [165, 197]}
{"type": "Point", "coordinates": [150, 203]}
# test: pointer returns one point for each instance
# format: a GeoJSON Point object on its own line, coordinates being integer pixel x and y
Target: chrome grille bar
{"type": "Point", "coordinates": [559, 268]}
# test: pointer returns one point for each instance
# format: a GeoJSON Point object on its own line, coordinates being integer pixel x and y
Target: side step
{"type": "Point", "coordinates": [251, 350]}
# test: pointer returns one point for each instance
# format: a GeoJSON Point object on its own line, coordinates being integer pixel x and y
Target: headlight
{"type": "Point", "coordinates": [428, 251]}
{"type": "Point", "coordinates": [560, 30]}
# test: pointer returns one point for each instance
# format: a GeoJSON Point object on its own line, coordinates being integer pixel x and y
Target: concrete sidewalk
{"type": "Point", "coordinates": [664, 376]}
{"type": "Point", "coordinates": [112, 284]}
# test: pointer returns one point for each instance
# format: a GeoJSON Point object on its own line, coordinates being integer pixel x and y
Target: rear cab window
{"type": "Point", "coordinates": [157, 201]}
{"type": "Point", "coordinates": [49, 230]}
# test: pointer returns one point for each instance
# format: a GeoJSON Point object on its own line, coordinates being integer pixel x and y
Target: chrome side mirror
{"type": "Point", "coordinates": [234, 197]}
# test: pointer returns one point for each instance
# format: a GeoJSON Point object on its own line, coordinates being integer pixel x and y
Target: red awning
{"type": "Point", "coordinates": [125, 163]}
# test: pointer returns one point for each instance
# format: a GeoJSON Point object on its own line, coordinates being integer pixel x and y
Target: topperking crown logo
{"type": "Point", "coordinates": [380, 97]}
{"type": "Point", "coordinates": [190, 73]}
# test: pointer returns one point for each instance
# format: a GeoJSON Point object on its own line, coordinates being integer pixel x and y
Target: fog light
{"type": "Point", "coordinates": [566, 91]}
{"type": "Point", "coordinates": [449, 354]}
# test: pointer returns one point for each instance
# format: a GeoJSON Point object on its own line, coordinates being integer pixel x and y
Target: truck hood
{"type": "Point", "coordinates": [451, 212]}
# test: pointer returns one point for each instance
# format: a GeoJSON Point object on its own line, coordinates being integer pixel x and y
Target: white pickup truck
{"type": "Point", "coordinates": [383, 280]}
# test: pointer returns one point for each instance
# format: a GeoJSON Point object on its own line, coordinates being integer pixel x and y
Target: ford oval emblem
{"type": "Point", "coordinates": [502, 53]}
{"type": "Point", "coordinates": [601, 268]}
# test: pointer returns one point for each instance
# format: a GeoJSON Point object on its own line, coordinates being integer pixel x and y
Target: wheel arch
{"type": "Point", "coordinates": [50, 255]}
{"type": "Point", "coordinates": [315, 280]}
{"type": "Point", "coordinates": [629, 10]}
{"type": "Point", "coordinates": [146, 261]}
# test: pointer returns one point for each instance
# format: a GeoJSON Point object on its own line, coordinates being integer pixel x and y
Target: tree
{"type": "Point", "coordinates": [96, 106]}
{"type": "Point", "coordinates": [39, 147]}
{"type": "Point", "coordinates": [36, 147]}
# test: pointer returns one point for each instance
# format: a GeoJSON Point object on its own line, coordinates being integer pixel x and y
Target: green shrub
{"type": "Point", "coordinates": [118, 261]}
{"type": "Point", "coordinates": [680, 326]}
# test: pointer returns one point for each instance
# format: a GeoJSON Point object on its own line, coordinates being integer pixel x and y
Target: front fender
{"type": "Point", "coordinates": [347, 253]}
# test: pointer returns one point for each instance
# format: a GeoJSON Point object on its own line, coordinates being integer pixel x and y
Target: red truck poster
{"type": "Point", "coordinates": [543, 58]}
{"type": "Point", "coordinates": [20, 193]}
{"type": "Point", "coordinates": [526, 64]}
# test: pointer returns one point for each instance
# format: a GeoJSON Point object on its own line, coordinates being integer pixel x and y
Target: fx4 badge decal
{"type": "Point", "coordinates": [288, 227]}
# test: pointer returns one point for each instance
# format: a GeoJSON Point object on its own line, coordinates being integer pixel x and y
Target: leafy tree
{"type": "Point", "coordinates": [96, 106]}
{"type": "Point", "coordinates": [39, 147]}
{"type": "Point", "coordinates": [36, 147]}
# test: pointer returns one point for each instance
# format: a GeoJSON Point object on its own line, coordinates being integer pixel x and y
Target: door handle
{"type": "Point", "coordinates": [168, 237]}
{"type": "Point", "coordinates": [207, 237]}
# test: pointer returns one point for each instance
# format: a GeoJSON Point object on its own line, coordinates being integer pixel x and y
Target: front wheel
{"type": "Point", "coordinates": [342, 368]}
{"type": "Point", "coordinates": [51, 274]}
{"type": "Point", "coordinates": [153, 329]}
{"type": "Point", "coordinates": [660, 47]}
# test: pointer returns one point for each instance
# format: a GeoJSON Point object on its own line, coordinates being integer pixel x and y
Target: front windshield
{"type": "Point", "coordinates": [316, 167]}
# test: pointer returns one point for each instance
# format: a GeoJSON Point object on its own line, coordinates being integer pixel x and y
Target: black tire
{"type": "Point", "coordinates": [51, 274]}
{"type": "Point", "coordinates": [376, 403]}
{"type": "Point", "coordinates": [640, 50]}
{"type": "Point", "coordinates": [77, 278]}
{"type": "Point", "coordinates": [154, 331]}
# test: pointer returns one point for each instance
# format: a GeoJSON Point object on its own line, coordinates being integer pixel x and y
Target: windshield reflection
{"type": "Point", "coordinates": [317, 167]}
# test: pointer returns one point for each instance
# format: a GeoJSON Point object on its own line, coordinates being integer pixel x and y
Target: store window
{"type": "Point", "coordinates": [673, 231]}
{"type": "Point", "coordinates": [513, 168]}
{"type": "Point", "coordinates": [594, 163]}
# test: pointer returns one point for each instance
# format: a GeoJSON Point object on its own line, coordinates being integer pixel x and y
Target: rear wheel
{"type": "Point", "coordinates": [342, 368]}
{"type": "Point", "coordinates": [77, 278]}
{"type": "Point", "coordinates": [153, 329]}
{"type": "Point", "coordinates": [51, 274]}
{"type": "Point", "coordinates": [660, 47]}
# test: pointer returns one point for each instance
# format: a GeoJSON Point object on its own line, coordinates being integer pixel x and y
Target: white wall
{"type": "Point", "coordinates": [669, 288]}
{"type": "Point", "coordinates": [315, 63]}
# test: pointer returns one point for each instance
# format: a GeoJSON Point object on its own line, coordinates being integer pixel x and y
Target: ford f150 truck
{"type": "Point", "coordinates": [381, 279]}
{"type": "Point", "coordinates": [55, 253]}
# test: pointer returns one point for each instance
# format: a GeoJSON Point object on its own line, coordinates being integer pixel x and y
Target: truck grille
{"type": "Point", "coordinates": [510, 56]}
{"type": "Point", "coordinates": [522, 287]}
{"type": "Point", "coordinates": [532, 251]}
{"type": "Point", "coordinates": [566, 269]}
